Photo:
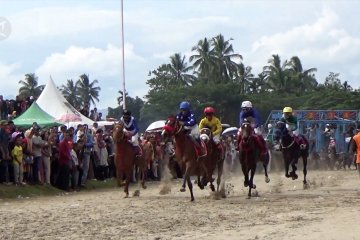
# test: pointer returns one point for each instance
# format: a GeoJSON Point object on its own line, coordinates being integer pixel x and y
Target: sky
{"type": "Point", "coordinates": [64, 39]}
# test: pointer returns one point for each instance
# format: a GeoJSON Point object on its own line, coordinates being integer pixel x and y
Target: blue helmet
{"type": "Point", "coordinates": [185, 105]}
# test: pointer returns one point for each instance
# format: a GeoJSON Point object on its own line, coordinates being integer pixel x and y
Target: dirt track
{"type": "Point", "coordinates": [283, 210]}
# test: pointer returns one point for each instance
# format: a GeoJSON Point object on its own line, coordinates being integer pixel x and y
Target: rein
{"type": "Point", "coordinates": [289, 146]}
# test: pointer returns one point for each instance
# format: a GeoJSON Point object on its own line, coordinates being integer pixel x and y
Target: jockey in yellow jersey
{"type": "Point", "coordinates": [213, 123]}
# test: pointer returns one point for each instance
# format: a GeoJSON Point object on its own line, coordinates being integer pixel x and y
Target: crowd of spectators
{"type": "Point", "coordinates": [60, 156]}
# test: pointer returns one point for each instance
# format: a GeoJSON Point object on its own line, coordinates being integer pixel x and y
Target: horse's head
{"type": "Point", "coordinates": [280, 130]}
{"type": "Point", "coordinates": [118, 132]}
{"type": "Point", "coordinates": [246, 130]}
{"type": "Point", "coordinates": [206, 134]}
{"type": "Point", "coordinates": [171, 128]}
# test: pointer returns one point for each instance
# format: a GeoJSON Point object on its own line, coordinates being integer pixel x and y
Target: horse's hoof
{"type": "Point", "coordinates": [294, 176]}
{"type": "Point", "coordinates": [144, 187]}
{"type": "Point", "coordinates": [246, 184]}
{"type": "Point", "coordinates": [192, 199]}
{"type": "Point", "coordinates": [306, 186]}
{"type": "Point", "coordinates": [267, 179]}
{"type": "Point", "coordinates": [253, 186]}
{"type": "Point", "coordinates": [212, 187]}
{"type": "Point", "coordinates": [126, 196]}
{"type": "Point", "coordinates": [182, 189]}
{"type": "Point", "coordinates": [287, 175]}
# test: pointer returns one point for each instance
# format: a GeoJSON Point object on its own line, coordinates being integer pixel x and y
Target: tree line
{"type": "Point", "coordinates": [215, 75]}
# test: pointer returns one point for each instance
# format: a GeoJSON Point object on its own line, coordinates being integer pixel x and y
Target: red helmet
{"type": "Point", "coordinates": [208, 110]}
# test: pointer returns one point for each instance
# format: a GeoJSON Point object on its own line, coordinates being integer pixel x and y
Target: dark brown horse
{"type": "Point", "coordinates": [291, 151]}
{"type": "Point", "coordinates": [214, 159]}
{"type": "Point", "coordinates": [249, 155]}
{"type": "Point", "coordinates": [185, 154]}
{"type": "Point", "coordinates": [126, 160]}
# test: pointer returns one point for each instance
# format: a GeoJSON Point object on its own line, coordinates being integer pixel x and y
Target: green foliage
{"type": "Point", "coordinates": [223, 82]}
{"type": "Point", "coordinates": [29, 86]}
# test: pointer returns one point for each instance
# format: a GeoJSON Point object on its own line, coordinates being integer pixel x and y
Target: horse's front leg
{"type": "Point", "coordinates": [305, 169]}
{"type": "Point", "coordinates": [251, 181]}
{"type": "Point", "coordinates": [246, 174]}
{"type": "Point", "coordinates": [188, 180]}
{"type": "Point", "coordinates": [293, 172]}
{"type": "Point", "coordinates": [127, 182]}
{"type": "Point", "coordinates": [286, 165]}
{"type": "Point", "coordinates": [267, 179]}
{"type": "Point", "coordinates": [220, 167]}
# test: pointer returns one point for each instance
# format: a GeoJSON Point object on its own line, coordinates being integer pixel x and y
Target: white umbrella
{"type": "Point", "coordinates": [155, 126]}
{"type": "Point", "coordinates": [230, 131]}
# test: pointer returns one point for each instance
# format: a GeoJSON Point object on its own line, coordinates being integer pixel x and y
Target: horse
{"type": "Point", "coordinates": [214, 159]}
{"type": "Point", "coordinates": [185, 154]}
{"type": "Point", "coordinates": [126, 160]}
{"type": "Point", "coordinates": [249, 154]}
{"type": "Point", "coordinates": [291, 151]}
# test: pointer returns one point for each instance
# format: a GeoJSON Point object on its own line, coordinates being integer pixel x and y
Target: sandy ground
{"type": "Point", "coordinates": [329, 209]}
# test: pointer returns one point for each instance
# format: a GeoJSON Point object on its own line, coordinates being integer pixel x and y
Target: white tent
{"type": "Point", "coordinates": [53, 102]}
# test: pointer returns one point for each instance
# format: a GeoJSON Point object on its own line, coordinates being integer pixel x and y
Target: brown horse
{"type": "Point", "coordinates": [214, 159]}
{"type": "Point", "coordinates": [185, 154]}
{"type": "Point", "coordinates": [249, 155]}
{"type": "Point", "coordinates": [126, 160]}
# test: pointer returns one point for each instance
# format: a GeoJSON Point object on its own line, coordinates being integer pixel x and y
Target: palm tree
{"type": "Point", "coordinates": [71, 93]}
{"type": "Point", "coordinates": [30, 86]}
{"type": "Point", "coordinates": [243, 77]}
{"type": "Point", "coordinates": [305, 78]}
{"type": "Point", "coordinates": [277, 75]}
{"type": "Point", "coordinates": [178, 71]}
{"type": "Point", "coordinates": [223, 50]}
{"type": "Point", "coordinates": [204, 60]}
{"type": "Point", "coordinates": [87, 90]}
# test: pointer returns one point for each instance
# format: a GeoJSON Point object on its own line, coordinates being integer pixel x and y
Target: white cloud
{"type": "Point", "coordinates": [60, 21]}
{"type": "Point", "coordinates": [10, 79]}
{"type": "Point", "coordinates": [323, 44]}
{"type": "Point", "coordinates": [102, 64]}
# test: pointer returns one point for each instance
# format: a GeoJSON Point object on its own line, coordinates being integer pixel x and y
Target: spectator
{"type": "Point", "coordinates": [17, 155]}
{"type": "Point", "coordinates": [37, 145]}
{"type": "Point", "coordinates": [64, 162]}
{"type": "Point", "coordinates": [46, 154]}
{"type": "Point", "coordinates": [89, 143]}
{"type": "Point", "coordinates": [101, 154]}
{"type": "Point", "coordinates": [4, 151]}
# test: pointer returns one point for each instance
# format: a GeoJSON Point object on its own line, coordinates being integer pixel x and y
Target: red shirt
{"type": "Point", "coordinates": [64, 153]}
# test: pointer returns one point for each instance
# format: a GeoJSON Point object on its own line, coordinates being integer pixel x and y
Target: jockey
{"type": "Point", "coordinates": [250, 114]}
{"type": "Point", "coordinates": [187, 118]}
{"type": "Point", "coordinates": [292, 125]}
{"type": "Point", "coordinates": [213, 123]}
{"type": "Point", "coordinates": [131, 130]}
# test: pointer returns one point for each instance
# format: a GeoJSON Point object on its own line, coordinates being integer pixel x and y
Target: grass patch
{"type": "Point", "coordinates": [12, 191]}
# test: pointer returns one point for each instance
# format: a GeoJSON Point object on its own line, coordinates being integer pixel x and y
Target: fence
{"type": "Point", "coordinates": [340, 120]}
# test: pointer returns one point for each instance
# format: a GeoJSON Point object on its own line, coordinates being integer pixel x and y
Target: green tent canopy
{"type": "Point", "coordinates": [35, 114]}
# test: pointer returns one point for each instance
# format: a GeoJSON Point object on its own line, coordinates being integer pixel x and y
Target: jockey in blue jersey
{"type": "Point", "coordinates": [249, 113]}
{"type": "Point", "coordinates": [187, 118]}
{"type": "Point", "coordinates": [131, 129]}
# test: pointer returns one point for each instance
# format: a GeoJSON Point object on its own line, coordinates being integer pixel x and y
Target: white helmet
{"type": "Point", "coordinates": [246, 104]}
